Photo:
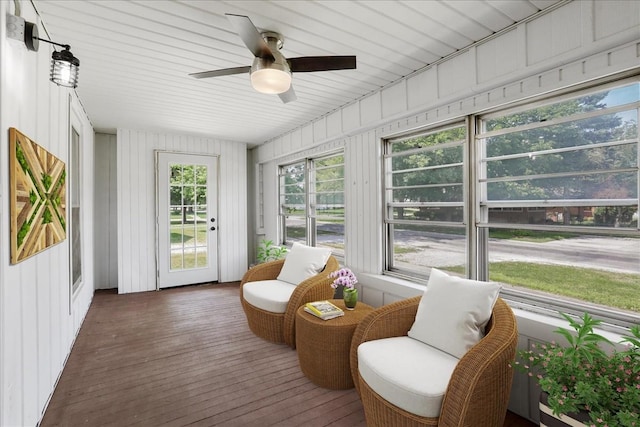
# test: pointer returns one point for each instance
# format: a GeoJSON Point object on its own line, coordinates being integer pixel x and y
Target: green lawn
{"type": "Point", "coordinates": [596, 286]}
{"type": "Point", "coordinates": [529, 235]}
{"type": "Point", "coordinates": [189, 232]}
{"type": "Point", "coordinates": [296, 232]}
{"type": "Point", "coordinates": [189, 260]}
{"type": "Point", "coordinates": [399, 249]}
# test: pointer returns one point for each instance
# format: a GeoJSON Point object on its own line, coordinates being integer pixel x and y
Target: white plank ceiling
{"type": "Point", "coordinates": [135, 56]}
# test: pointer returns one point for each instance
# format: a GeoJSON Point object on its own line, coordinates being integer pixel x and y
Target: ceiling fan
{"type": "Point", "coordinates": [271, 71]}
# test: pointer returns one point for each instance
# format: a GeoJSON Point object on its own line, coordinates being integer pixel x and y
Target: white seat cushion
{"type": "Point", "coordinates": [269, 295]}
{"type": "Point", "coordinates": [406, 372]}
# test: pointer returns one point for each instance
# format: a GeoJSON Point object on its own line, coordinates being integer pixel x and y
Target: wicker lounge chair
{"type": "Point", "coordinates": [280, 327]}
{"type": "Point", "coordinates": [478, 391]}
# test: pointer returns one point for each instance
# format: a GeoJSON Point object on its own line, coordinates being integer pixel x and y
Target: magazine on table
{"type": "Point", "coordinates": [323, 309]}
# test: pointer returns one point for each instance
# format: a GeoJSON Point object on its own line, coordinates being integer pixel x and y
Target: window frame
{"type": "Point", "coordinates": [310, 212]}
{"type": "Point", "coordinates": [476, 218]}
{"type": "Point", "coordinates": [539, 302]}
{"type": "Point", "coordinates": [389, 222]}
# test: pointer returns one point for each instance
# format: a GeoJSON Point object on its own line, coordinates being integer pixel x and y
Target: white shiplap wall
{"type": "Point", "coordinates": [105, 224]}
{"type": "Point", "coordinates": [136, 204]}
{"type": "Point", "coordinates": [577, 43]}
{"type": "Point", "coordinates": [39, 319]}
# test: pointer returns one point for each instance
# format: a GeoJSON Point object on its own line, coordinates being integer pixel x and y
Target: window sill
{"type": "Point", "coordinates": [536, 325]}
{"type": "Point", "coordinates": [401, 288]}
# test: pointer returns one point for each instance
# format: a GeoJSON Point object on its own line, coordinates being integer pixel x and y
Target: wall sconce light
{"type": "Point", "coordinates": [64, 66]}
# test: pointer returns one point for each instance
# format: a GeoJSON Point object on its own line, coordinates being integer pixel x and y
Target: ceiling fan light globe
{"type": "Point", "coordinates": [271, 80]}
{"type": "Point", "coordinates": [272, 77]}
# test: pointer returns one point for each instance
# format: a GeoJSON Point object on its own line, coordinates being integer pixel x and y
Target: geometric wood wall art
{"type": "Point", "coordinates": [38, 197]}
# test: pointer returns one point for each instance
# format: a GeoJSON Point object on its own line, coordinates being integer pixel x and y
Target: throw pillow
{"type": "Point", "coordinates": [453, 312]}
{"type": "Point", "coordinates": [303, 262]}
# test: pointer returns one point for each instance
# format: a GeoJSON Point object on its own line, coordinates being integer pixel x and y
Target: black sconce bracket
{"type": "Point", "coordinates": [20, 29]}
{"type": "Point", "coordinates": [64, 66]}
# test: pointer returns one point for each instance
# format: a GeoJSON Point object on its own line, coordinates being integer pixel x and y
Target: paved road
{"type": "Point", "coordinates": [621, 254]}
{"type": "Point", "coordinates": [605, 253]}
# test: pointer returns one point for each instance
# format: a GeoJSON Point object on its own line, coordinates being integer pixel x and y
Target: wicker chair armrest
{"type": "Point", "coordinates": [315, 288]}
{"type": "Point", "coordinates": [483, 376]}
{"type": "Point", "coordinates": [392, 320]}
{"type": "Point", "coordinates": [265, 271]}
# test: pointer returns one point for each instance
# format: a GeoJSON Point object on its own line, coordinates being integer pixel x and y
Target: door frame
{"type": "Point", "coordinates": [216, 159]}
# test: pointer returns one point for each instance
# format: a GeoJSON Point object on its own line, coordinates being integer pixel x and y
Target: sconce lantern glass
{"type": "Point", "coordinates": [64, 68]}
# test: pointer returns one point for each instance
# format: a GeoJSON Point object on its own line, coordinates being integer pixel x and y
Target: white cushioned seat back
{"type": "Point", "coordinates": [269, 295]}
{"type": "Point", "coordinates": [303, 262]}
{"type": "Point", "coordinates": [453, 312]}
{"type": "Point", "coordinates": [406, 372]}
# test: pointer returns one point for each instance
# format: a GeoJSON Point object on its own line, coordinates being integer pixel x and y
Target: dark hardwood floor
{"type": "Point", "coordinates": [185, 356]}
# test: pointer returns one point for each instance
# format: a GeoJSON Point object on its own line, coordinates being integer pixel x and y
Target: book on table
{"type": "Point", "coordinates": [323, 309]}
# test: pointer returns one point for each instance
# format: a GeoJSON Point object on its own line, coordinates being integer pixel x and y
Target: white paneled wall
{"type": "Point", "coordinates": [105, 224]}
{"type": "Point", "coordinates": [136, 204]}
{"type": "Point", "coordinates": [577, 43]}
{"type": "Point", "coordinates": [39, 319]}
{"type": "Point", "coordinates": [364, 211]}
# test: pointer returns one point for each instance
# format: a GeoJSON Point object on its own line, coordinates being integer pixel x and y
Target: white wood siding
{"type": "Point", "coordinates": [39, 319]}
{"type": "Point", "coordinates": [136, 204]}
{"type": "Point", "coordinates": [574, 44]}
{"type": "Point", "coordinates": [105, 223]}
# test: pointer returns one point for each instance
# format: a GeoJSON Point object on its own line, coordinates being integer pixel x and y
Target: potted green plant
{"type": "Point", "coordinates": [267, 251]}
{"type": "Point", "coordinates": [588, 375]}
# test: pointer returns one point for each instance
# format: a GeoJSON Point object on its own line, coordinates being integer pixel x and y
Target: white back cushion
{"type": "Point", "coordinates": [406, 372]}
{"type": "Point", "coordinates": [303, 262]}
{"type": "Point", "coordinates": [453, 312]}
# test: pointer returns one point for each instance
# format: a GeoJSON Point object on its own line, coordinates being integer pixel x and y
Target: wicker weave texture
{"type": "Point", "coordinates": [323, 345]}
{"type": "Point", "coordinates": [479, 389]}
{"type": "Point", "coordinates": [280, 327]}
{"type": "Point", "coordinates": [265, 324]}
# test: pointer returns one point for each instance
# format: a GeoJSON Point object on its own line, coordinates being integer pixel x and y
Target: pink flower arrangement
{"type": "Point", "coordinates": [343, 277]}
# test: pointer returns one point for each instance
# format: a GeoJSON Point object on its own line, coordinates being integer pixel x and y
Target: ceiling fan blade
{"type": "Point", "coordinates": [223, 72]}
{"type": "Point", "coordinates": [321, 63]}
{"type": "Point", "coordinates": [288, 96]}
{"type": "Point", "coordinates": [250, 36]}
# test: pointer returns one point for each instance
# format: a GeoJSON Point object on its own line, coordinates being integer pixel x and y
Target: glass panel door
{"type": "Point", "coordinates": [187, 219]}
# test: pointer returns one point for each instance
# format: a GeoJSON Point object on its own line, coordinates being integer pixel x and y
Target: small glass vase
{"type": "Point", "coordinates": [350, 298]}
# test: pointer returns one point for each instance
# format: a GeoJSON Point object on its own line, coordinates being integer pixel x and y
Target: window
{"type": "Point", "coordinates": [293, 203]}
{"type": "Point", "coordinates": [326, 196]}
{"type": "Point", "coordinates": [550, 209]}
{"type": "Point", "coordinates": [260, 197]}
{"type": "Point", "coordinates": [558, 198]}
{"type": "Point", "coordinates": [425, 201]}
{"type": "Point", "coordinates": [76, 230]}
{"type": "Point", "coordinates": [312, 202]}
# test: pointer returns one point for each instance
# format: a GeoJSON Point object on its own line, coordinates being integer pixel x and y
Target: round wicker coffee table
{"type": "Point", "coordinates": [323, 345]}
